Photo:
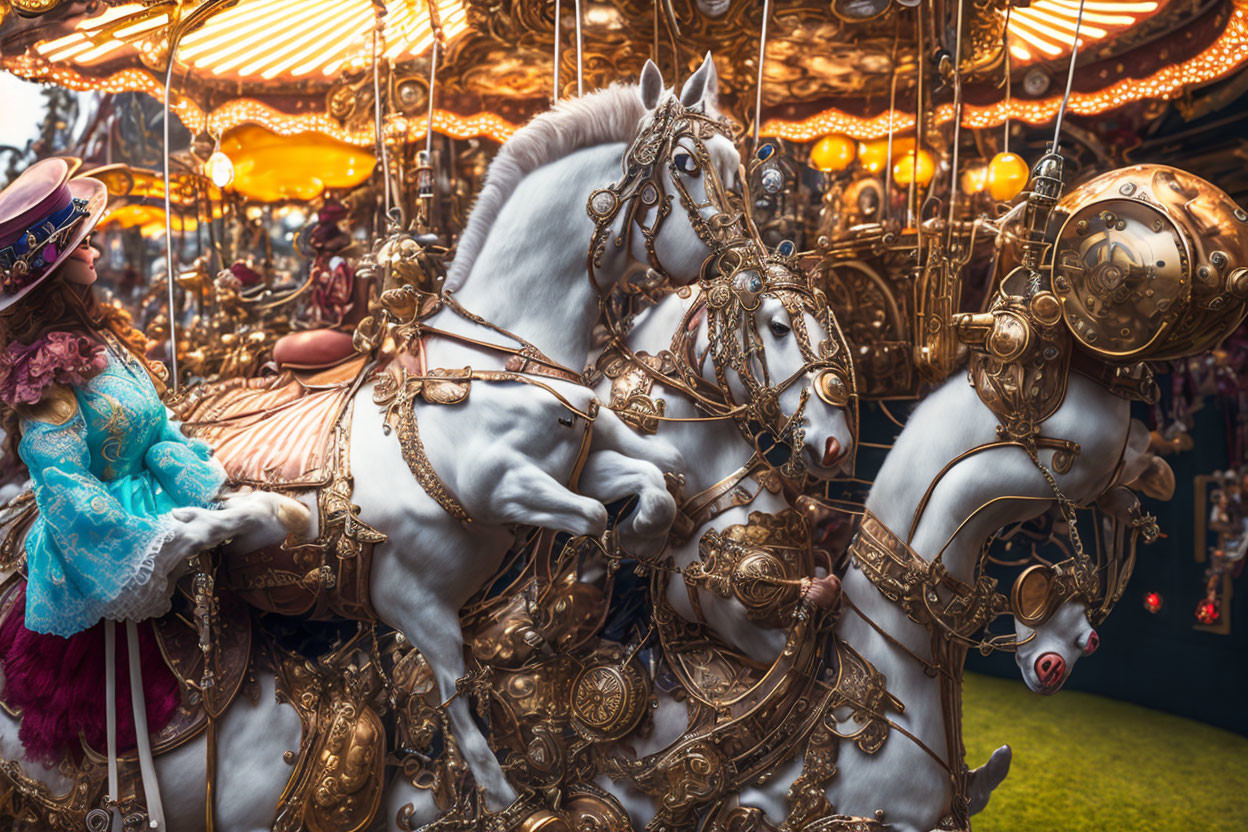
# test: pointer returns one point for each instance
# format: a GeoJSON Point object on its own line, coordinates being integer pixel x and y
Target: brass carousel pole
{"type": "Point", "coordinates": [1070, 77]}
{"type": "Point", "coordinates": [957, 129]}
{"type": "Point", "coordinates": [762, 56]}
{"type": "Point", "coordinates": [554, 92]}
{"type": "Point", "coordinates": [580, 69]}
{"type": "Point", "coordinates": [169, 253]}
{"type": "Point", "coordinates": [378, 127]}
{"type": "Point", "coordinates": [892, 113]}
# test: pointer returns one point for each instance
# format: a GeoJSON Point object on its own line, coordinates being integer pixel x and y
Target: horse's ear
{"type": "Point", "coordinates": [702, 86]}
{"type": "Point", "coordinates": [651, 85]}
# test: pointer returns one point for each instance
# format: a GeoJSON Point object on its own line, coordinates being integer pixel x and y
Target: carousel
{"type": "Point", "coordinates": [612, 416]}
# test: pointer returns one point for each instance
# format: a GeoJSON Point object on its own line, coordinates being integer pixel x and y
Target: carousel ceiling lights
{"type": "Point", "coordinates": [1046, 29]}
{"type": "Point", "coordinates": [321, 37]}
{"type": "Point", "coordinates": [136, 27]}
{"type": "Point", "coordinates": [1221, 57]}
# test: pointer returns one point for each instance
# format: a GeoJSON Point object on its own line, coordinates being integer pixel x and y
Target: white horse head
{"type": "Point", "coordinates": [1048, 650]}
{"type": "Point", "coordinates": [769, 337]}
{"type": "Point", "coordinates": [827, 419]}
{"type": "Point", "coordinates": [684, 159]}
{"type": "Point", "coordinates": [636, 176]}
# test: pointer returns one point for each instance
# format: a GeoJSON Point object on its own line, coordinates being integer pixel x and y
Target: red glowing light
{"type": "Point", "coordinates": [1207, 612]}
{"type": "Point", "coordinates": [1153, 601]}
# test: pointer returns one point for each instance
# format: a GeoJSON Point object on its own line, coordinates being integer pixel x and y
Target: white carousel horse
{"type": "Point", "coordinates": [716, 452]}
{"type": "Point", "coordinates": [949, 422]}
{"type": "Point", "coordinates": [507, 454]}
{"type": "Point", "coordinates": [713, 450]}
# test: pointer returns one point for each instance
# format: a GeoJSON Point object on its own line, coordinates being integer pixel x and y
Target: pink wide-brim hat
{"type": "Point", "coordinates": [44, 216]}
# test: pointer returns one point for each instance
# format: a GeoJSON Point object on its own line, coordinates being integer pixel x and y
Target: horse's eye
{"type": "Point", "coordinates": [685, 162]}
{"type": "Point", "coordinates": [778, 329]}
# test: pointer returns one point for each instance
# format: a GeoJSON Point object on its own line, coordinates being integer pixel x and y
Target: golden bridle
{"type": "Point", "coordinates": [671, 130]}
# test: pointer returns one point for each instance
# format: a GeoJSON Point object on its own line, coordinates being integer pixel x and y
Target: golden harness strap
{"type": "Point", "coordinates": [526, 359]}
{"type": "Point", "coordinates": [916, 585]}
{"type": "Point", "coordinates": [732, 491]}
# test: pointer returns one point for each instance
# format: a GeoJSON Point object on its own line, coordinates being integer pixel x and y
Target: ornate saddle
{"type": "Point", "coordinates": [291, 433]}
{"type": "Point", "coordinates": [275, 432]}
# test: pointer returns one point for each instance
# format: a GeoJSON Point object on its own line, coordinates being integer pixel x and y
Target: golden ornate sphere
{"type": "Point", "coordinates": [1149, 264]}
{"type": "Point", "coordinates": [1007, 176]}
{"type": "Point", "coordinates": [1046, 308]}
{"type": "Point", "coordinates": [832, 153]}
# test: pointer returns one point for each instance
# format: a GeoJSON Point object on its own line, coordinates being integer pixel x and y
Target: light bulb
{"type": "Point", "coordinates": [1007, 176]}
{"type": "Point", "coordinates": [219, 169]}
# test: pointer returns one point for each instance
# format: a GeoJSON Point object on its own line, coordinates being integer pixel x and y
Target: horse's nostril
{"type": "Point", "coordinates": [831, 452]}
{"type": "Point", "coordinates": [1094, 641]}
{"type": "Point", "coordinates": [1050, 670]}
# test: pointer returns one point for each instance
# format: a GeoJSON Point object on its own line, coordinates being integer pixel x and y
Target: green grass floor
{"type": "Point", "coordinates": [1084, 763]}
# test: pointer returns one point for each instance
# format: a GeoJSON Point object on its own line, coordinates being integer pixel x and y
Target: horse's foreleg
{"type": "Point", "coordinates": [612, 434]}
{"type": "Point", "coordinates": [609, 476]}
{"type": "Point", "coordinates": [527, 495]}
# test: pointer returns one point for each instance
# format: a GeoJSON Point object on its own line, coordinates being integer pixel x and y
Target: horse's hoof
{"type": "Point", "coordinates": [294, 517]}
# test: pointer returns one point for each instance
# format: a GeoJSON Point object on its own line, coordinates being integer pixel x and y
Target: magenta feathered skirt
{"type": "Point", "coordinates": [58, 685]}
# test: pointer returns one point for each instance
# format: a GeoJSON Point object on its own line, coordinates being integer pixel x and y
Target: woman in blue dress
{"type": "Point", "coordinates": [122, 494]}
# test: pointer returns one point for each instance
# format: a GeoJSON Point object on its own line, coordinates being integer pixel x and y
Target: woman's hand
{"type": "Point", "coordinates": [260, 515]}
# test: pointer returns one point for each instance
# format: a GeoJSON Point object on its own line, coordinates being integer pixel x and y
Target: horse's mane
{"type": "Point", "coordinates": [604, 117]}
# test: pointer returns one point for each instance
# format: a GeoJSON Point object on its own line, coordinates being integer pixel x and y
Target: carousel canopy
{"type": "Point", "coordinates": [306, 65]}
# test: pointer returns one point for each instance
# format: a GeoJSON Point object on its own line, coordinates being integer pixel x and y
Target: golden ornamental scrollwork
{"type": "Point", "coordinates": [339, 771]}
{"type": "Point", "coordinates": [759, 563]}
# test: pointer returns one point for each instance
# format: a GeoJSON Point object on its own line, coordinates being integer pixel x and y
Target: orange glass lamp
{"type": "Point", "coordinates": [833, 153]}
{"type": "Point", "coordinates": [975, 178]}
{"type": "Point", "coordinates": [1007, 176]}
{"type": "Point", "coordinates": [873, 155]}
{"type": "Point", "coordinates": [149, 219]}
{"type": "Point", "coordinates": [269, 167]}
{"type": "Point", "coordinates": [910, 168]}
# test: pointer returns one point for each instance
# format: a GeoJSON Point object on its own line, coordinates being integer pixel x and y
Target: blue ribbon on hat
{"type": "Point", "coordinates": [34, 240]}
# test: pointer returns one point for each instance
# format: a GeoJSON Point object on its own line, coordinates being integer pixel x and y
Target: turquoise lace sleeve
{"type": "Point", "coordinates": [185, 467]}
{"type": "Point", "coordinates": [85, 551]}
